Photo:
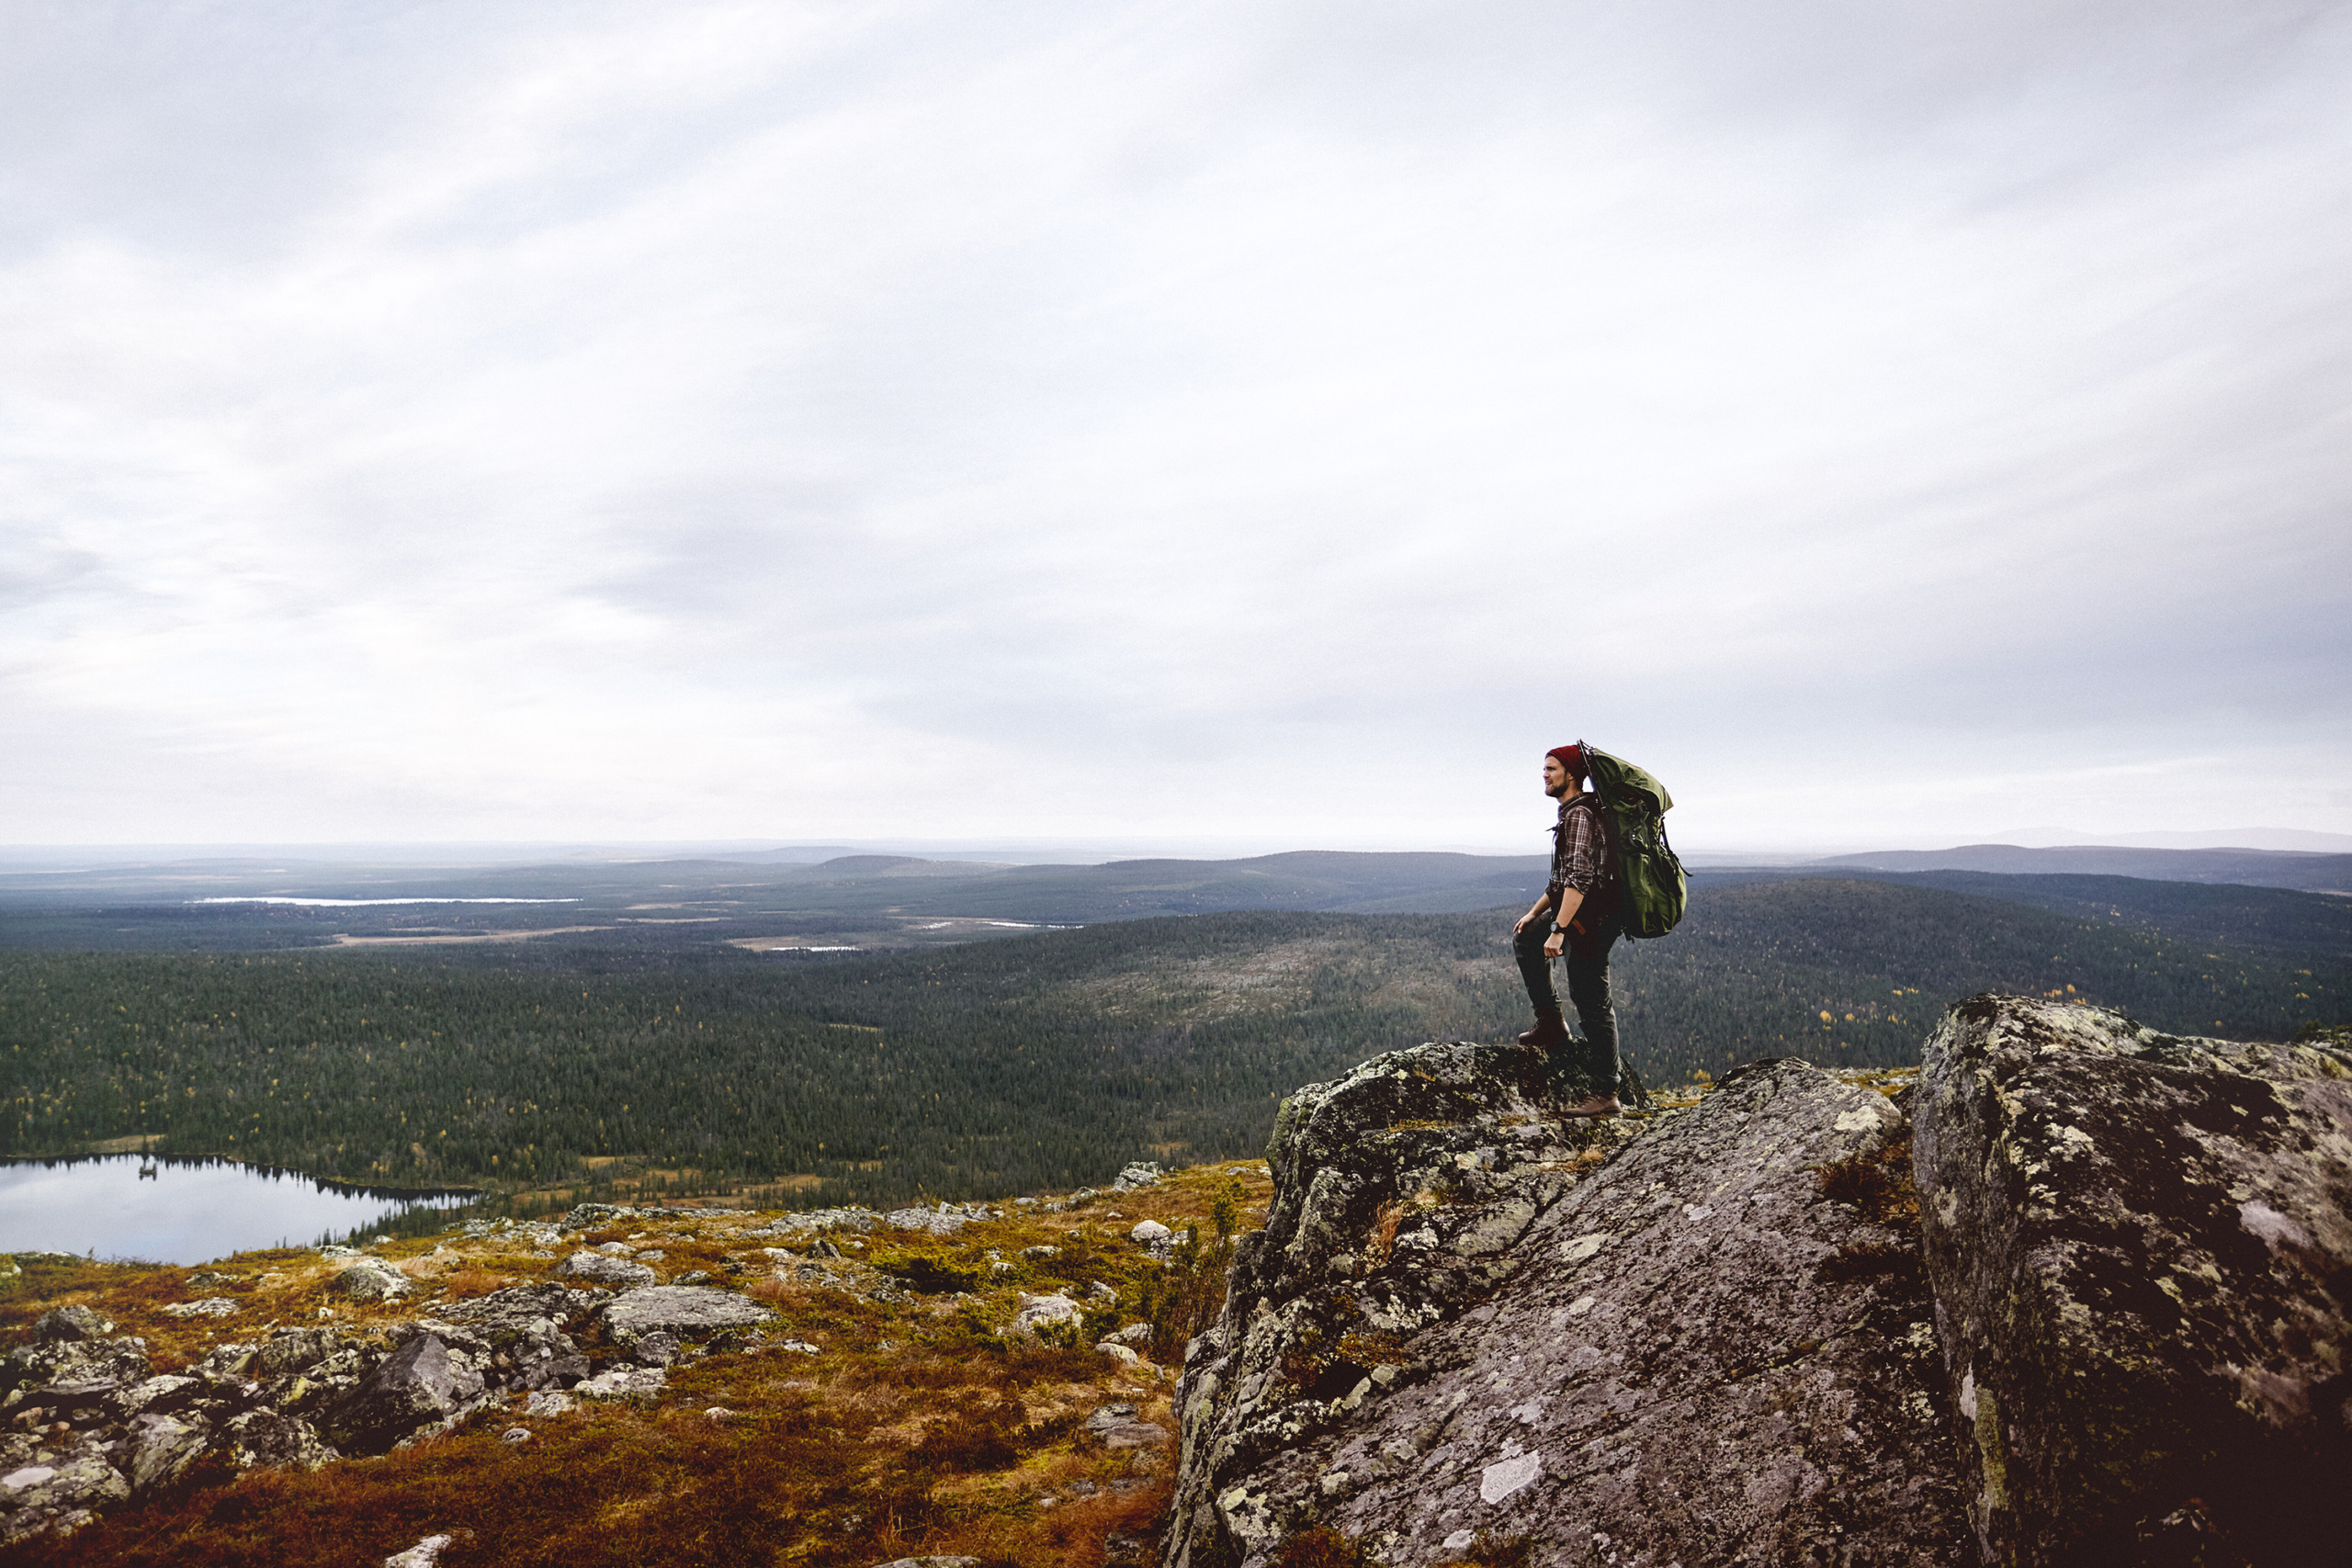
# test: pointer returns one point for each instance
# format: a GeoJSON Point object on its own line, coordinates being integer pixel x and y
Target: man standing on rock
{"type": "Point", "coordinates": [1582, 908]}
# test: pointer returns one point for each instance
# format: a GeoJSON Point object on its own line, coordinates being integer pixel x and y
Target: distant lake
{"type": "Point", "coordinates": [187, 1212]}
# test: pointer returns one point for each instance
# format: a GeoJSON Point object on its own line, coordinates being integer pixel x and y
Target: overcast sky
{"type": "Point", "coordinates": [1253, 423]}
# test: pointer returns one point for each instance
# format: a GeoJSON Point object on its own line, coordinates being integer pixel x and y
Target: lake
{"type": "Point", "coordinates": [187, 1212]}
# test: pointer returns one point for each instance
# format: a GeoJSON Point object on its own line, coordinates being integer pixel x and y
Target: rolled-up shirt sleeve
{"type": "Point", "coordinates": [1579, 852]}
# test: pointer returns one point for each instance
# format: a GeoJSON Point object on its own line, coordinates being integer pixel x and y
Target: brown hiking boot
{"type": "Point", "coordinates": [1593, 1107]}
{"type": "Point", "coordinates": [1550, 1030]}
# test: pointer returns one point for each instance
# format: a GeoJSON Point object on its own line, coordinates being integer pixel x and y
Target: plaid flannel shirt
{"type": "Point", "coordinates": [1580, 850]}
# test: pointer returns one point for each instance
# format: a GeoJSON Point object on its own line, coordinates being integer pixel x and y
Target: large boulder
{"type": "Point", "coordinates": [2141, 1253]}
{"type": "Point", "coordinates": [1625, 1342]}
{"type": "Point", "coordinates": [599, 1270]}
{"type": "Point", "coordinates": [74, 1363]}
{"type": "Point", "coordinates": [60, 1494]}
{"type": "Point", "coordinates": [73, 1321]}
{"type": "Point", "coordinates": [371, 1280]}
{"type": "Point", "coordinates": [1045, 1312]}
{"type": "Point", "coordinates": [527, 1329]}
{"type": "Point", "coordinates": [651, 1322]}
{"type": "Point", "coordinates": [688, 1311]}
{"type": "Point", "coordinates": [160, 1448]}
{"type": "Point", "coordinates": [416, 1388]}
{"type": "Point", "coordinates": [268, 1439]}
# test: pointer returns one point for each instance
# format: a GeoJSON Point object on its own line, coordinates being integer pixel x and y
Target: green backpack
{"type": "Point", "coordinates": [1652, 892]}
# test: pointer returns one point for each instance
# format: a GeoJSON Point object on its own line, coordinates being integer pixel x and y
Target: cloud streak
{"type": "Point", "coordinates": [1265, 423]}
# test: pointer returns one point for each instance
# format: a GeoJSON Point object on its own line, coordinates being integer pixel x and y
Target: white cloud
{"type": "Point", "coordinates": [1253, 422]}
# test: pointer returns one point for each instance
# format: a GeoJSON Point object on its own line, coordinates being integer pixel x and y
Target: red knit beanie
{"type": "Point", "coordinates": [1571, 757]}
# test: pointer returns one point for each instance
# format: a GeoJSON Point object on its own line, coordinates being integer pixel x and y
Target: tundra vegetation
{"type": "Point", "coordinates": [887, 1408]}
{"type": "Point", "coordinates": [667, 1061]}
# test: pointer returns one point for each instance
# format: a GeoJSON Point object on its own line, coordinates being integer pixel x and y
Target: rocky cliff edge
{"type": "Point", "coordinates": [1727, 1333]}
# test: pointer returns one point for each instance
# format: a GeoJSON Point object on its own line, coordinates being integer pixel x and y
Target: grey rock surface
{"type": "Point", "coordinates": [426, 1553]}
{"type": "Point", "coordinates": [62, 1493]}
{"type": "Point", "coordinates": [597, 1268]}
{"type": "Point", "coordinates": [686, 1311]}
{"type": "Point", "coordinates": [2142, 1250]}
{"type": "Point", "coordinates": [66, 1322]}
{"type": "Point", "coordinates": [160, 1448]}
{"type": "Point", "coordinates": [640, 1385]}
{"type": "Point", "coordinates": [76, 1364]}
{"type": "Point", "coordinates": [418, 1387]}
{"type": "Point", "coordinates": [265, 1438]}
{"type": "Point", "coordinates": [1615, 1340]}
{"type": "Point", "coordinates": [1044, 1312]}
{"type": "Point", "coordinates": [82, 1410]}
{"type": "Point", "coordinates": [371, 1280]}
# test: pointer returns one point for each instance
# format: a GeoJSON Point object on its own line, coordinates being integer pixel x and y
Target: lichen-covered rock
{"type": "Point", "coordinates": [371, 1280]}
{"type": "Point", "coordinates": [640, 1385]}
{"type": "Point", "coordinates": [2142, 1256]}
{"type": "Point", "coordinates": [1045, 1312]}
{"type": "Point", "coordinates": [1618, 1341]}
{"type": "Point", "coordinates": [267, 1439]}
{"type": "Point", "coordinates": [416, 1388]}
{"type": "Point", "coordinates": [60, 1494]}
{"type": "Point", "coordinates": [683, 1311]}
{"type": "Point", "coordinates": [60, 1324]}
{"type": "Point", "coordinates": [159, 1448]}
{"type": "Point", "coordinates": [597, 1268]}
{"type": "Point", "coordinates": [74, 1363]}
{"type": "Point", "coordinates": [528, 1328]}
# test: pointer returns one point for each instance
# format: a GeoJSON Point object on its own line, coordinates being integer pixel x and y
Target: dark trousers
{"type": "Point", "coordinates": [1594, 1058]}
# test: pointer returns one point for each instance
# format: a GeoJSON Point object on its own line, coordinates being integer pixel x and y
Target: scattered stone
{"type": "Point", "coordinates": [719, 1413]}
{"type": "Point", "coordinates": [2139, 1245]}
{"type": "Point", "coordinates": [62, 1325]}
{"type": "Point", "coordinates": [1040, 1252]}
{"type": "Point", "coordinates": [1138, 1173]}
{"type": "Point", "coordinates": [1134, 1334]}
{"type": "Point", "coordinates": [1122, 1354]}
{"type": "Point", "coordinates": [800, 1346]}
{"type": "Point", "coordinates": [1154, 1238]}
{"type": "Point", "coordinates": [423, 1554]}
{"type": "Point", "coordinates": [698, 1276]}
{"type": "Point", "coordinates": [1039, 1311]}
{"type": "Point", "coordinates": [600, 1269]}
{"type": "Point", "coordinates": [547, 1402]}
{"type": "Point", "coordinates": [639, 1385]}
{"type": "Point", "coordinates": [931, 1563]}
{"type": "Point", "coordinates": [616, 1249]}
{"type": "Point", "coordinates": [514, 1436]}
{"type": "Point", "coordinates": [371, 1279]}
{"type": "Point", "coordinates": [211, 1306]}
{"type": "Point", "coordinates": [1116, 1427]}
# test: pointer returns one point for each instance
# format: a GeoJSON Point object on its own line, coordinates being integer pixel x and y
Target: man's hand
{"type": "Point", "coordinates": [1543, 907]}
{"type": "Point", "coordinates": [1554, 945]}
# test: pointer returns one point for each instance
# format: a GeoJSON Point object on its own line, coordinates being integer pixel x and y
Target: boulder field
{"type": "Point", "coordinates": [2077, 1296]}
{"type": "Point", "coordinates": [92, 1427]}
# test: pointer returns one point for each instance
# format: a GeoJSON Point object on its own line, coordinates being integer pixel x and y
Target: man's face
{"type": "Point", "coordinates": [1555, 777]}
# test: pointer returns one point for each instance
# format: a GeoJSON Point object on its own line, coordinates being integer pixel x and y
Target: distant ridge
{"type": "Point", "coordinates": [2255, 868]}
